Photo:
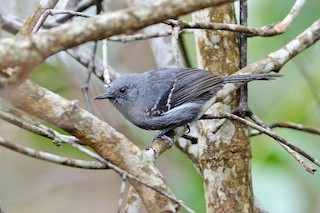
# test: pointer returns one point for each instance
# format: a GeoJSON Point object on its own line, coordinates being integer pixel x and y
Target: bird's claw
{"type": "Point", "coordinates": [162, 135]}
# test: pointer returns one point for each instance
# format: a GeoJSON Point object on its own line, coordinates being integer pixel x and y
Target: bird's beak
{"type": "Point", "coordinates": [103, 96]}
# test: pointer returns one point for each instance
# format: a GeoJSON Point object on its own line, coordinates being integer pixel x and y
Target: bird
{"type": "Point", "coordinates": [166, 98]}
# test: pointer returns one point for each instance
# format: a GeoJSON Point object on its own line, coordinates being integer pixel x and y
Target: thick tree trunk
{"type": "Point", "coordinates": [224, 148]}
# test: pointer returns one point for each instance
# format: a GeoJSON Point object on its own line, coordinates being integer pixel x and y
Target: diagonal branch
{"type": "Point", "coordinates": [107, 142]}
{"type": "Point", "coordinates": [37, 47]}
{"type": "Point", "coordinates": [289, 147]}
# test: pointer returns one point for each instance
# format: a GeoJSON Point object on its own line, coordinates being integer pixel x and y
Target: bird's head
{"type": "Point", "coordinates": [122, 92]}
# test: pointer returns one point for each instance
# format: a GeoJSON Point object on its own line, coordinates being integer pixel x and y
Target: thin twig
{"type": "Point", "coordinates": [51, 157]}
{"type": "Point", "coordinates": [106, 75]}
{"type": "Point", "coordinates": [249, 31]}
{"type": "Point", "coordinates": [82, 55]}
{"type": "Point", "coordinates": [53, 12]}
{"type": "Point", "coordinates": [288, 125]}
{"type": "Point", "coordinates": [175, 46]}
{"type": "Point", "coordinates": [105, 58]}
{"type": "Point", "coordinates": [80, 7]}
{"type": "Point", "coordinates": [85, 92]}
{"type": "Point", "coordinates": [122, 191]}
{"type": "Point", "coordinates": [140, 36]}
{"type": "Point", "coordinates": [283, 142]}
{"type": "Point", "coordinates": [268, 30]}
{"type": "Point", "coordinates": [258, 121]}
{"type": "Point", "coordinates": [91, 69]}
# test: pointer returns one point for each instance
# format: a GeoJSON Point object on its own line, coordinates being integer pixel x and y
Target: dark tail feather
{"type": "Point", "coordinates": [249, 77]}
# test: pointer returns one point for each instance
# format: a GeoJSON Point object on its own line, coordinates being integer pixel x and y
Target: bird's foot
{"type": "Point", "coordinates": [242, 110]}
{"type": "Point", "coordinates": [162, 134]}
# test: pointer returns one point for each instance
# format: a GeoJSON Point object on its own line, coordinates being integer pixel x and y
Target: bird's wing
{"type": "Point", "coordinates": [186, 85]}
{"type": "Point", "coordinates": [192, 85]}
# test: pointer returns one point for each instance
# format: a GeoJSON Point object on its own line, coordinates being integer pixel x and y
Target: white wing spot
{"type": "Point", "coordinates": [170, 94]}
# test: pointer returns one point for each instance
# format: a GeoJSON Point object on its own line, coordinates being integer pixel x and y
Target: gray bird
{"type": "Point", "coordinates": [166, 98]}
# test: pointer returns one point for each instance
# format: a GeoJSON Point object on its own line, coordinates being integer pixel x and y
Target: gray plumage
{"type": "Point", "coordinates": [166, 98]}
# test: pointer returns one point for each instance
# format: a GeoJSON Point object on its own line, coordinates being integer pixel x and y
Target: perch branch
{"type": "Point", "coordinates": [107, 142]}
{"type": "Point", "coordinates": [40, 129]}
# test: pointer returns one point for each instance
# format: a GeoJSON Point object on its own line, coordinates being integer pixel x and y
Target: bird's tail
{"type": "Point", "coordinates": [249, 77]}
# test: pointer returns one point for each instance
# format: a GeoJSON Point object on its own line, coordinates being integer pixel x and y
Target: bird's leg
{"type": "Point", "coordinates": [192, 139]}
{"type": "Point", "coordinates": [171, 134]}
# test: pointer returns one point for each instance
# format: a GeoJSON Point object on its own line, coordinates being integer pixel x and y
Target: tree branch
{"type": "Point", "coordinates": [37, 47]}
{"type": "Point", "coordinates": [268, 30]}
{"type": "Point", "coordinates": [289, 147]}
{"type": "Point", "coordinates": [108, 143]}
{"type": "Point", "coordinates": [289, 125]}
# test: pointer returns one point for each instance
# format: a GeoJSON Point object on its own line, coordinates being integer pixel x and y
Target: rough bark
{"type": "Point", "coordinates": [224, 148]}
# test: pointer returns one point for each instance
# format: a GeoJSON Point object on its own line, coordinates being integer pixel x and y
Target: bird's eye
{"type": "Point", "coordinates": [123, 90]}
